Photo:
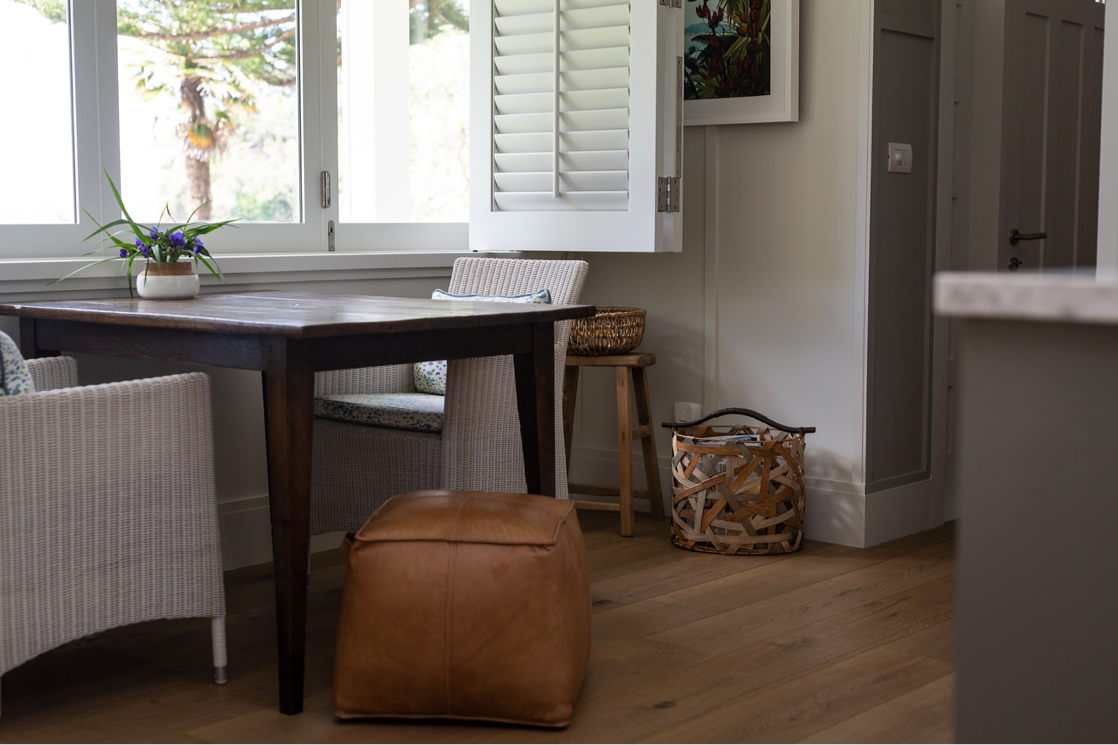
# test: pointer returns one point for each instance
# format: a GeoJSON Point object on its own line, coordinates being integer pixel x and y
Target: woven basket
{"type": "Point", "coordinates": [609, 331]}
{"type": "Point", "coordinates": [738, 489]}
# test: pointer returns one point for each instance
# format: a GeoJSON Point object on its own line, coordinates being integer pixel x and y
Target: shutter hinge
{"type": "Point", "coordinates": [325, 184]}
{"type": "Point", "coordinates": [672, 3]}
{"type": "Point", "coordinates": [667, 194]}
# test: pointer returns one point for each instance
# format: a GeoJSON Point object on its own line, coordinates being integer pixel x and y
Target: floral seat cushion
{"type": "Point", "coordinates": [419, 412]}
{"type": "Point", "coordinates": [14, 375]}
{"type": "Point", "coordinates": [430, 377]}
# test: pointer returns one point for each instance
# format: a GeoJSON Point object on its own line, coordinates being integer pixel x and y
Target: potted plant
{"type": "Point", "coordinates": [170, 255]}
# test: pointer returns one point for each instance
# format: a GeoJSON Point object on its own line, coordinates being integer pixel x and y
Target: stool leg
{"type": "Point", "coordinates": [648, 443]}
{"type": "Point", "coordinates": [625, 451]}
{"type": "Point", "coordinates": [570, 391]}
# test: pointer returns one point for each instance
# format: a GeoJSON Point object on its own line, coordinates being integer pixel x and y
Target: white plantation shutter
{"type": "Point", "coordinates": [579, 125]}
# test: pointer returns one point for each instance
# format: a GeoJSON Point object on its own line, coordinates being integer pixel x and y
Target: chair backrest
{"type": "Point", "coordinates": [480, 276]}
{"type": "Point", "coordinates": [481, 435]}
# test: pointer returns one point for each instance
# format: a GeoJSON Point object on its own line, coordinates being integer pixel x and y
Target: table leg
{"type": "Point", "coordinates": [29, 341]}
{"type": "Point", "coordinates": [288, 384]}
{"type": "Point", "coordinates": [535, 403]}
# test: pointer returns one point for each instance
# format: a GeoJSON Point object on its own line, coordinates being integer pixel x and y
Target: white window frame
{"type": "Point", "coordinates": [94, 75]}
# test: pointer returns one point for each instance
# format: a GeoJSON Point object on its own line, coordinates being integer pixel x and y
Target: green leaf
{"type": "Point", "coordinates": [120, 203]}
{"type": "Point", "coordinates": [214, 269]}
{"type": "Point", "coordinates": [107, 226]}
{"type": "Point", "coordinates": [83, 268]}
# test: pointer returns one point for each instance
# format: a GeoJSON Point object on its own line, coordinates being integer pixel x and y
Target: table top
{"type": "Point", "coordinates": [296, 315]}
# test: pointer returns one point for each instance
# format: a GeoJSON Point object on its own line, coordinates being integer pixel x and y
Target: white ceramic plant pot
{"type": "Point", "coordinates": [177, 281]}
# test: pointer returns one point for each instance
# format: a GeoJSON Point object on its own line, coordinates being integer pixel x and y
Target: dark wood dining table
{"type": "Point", "coordinates": [288, 337]}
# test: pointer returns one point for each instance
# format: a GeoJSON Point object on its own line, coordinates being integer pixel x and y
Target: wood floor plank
{"type": "Point", "coordinates": [816, 601]}
{"type": "Point", "coordinates": [617, 624]}
{"type": "Point", "coordinates": [924, 714]}
{"type": "Point", "coordinates": [681, 637]}
{"type": "Point", "coordinates": [937, 643]}
{"type": "Point", "coordinates": [785, 711]}
{"type": "Point", "coordinates": [642, 711]}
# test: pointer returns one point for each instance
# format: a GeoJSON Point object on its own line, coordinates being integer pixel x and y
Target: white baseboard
{"type": "Point", "coordinates": [246, 533]}
{"type": "Point", "coordinates": [900, 511]}
{"type": "Point", "coordinates": [835, 512]}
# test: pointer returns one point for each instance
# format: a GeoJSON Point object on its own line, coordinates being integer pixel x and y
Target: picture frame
{"type": "Point", "coordinates": [781, 103]}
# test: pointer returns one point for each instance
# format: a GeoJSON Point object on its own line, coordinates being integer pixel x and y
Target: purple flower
{"type": "Point", "coordinates": [198, 243]}
{"type": "Point", "coordinates": [153, 234]}
{"type": "Point", "coordinates": [177, 239]}
{"type": "Point", "coordinates": [197, 246]}
{"type": "Point", "coordinates": [139, 243]}
{"type": "Point", "coordinates": [124, 253]}
{"type": "Point", "coordinates": [145, 251]}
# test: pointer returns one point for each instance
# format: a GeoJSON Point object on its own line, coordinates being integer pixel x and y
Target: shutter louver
{"type": "Point", "coordinates": [585, 167]}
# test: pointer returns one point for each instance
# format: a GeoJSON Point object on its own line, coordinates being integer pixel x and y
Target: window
{"type": "Point", "coordinates": [38, 181]}
{"type": "Point", "coordinates": [324, 125]}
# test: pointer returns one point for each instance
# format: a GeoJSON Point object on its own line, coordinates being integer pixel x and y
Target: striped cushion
{"type": "Point", "coordinates": [419, 412]}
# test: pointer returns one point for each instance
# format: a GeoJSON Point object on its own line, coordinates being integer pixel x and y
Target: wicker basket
{"type": "Point", "coordinates": [738, 489]}
{"type": "Point", "coordinates": [609, 331]}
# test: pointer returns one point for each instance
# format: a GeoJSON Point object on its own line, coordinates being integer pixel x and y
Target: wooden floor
{"type": "Point", "coordinates": [832, 644]}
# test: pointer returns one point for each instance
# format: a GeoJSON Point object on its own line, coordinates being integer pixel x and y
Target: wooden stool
{"type": "Point", "coordinates": [627, 367]}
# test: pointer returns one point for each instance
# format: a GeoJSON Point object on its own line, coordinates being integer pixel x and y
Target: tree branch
{"type": "Point", "coordinates": [199, 35]}
{"type": "Point", "coordinates": [250, 52]}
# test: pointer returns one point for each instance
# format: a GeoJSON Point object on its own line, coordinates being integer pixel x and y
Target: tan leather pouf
{"type": "Point", "coordinates": [466, 605]}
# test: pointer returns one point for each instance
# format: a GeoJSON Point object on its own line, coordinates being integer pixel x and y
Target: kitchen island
{"type": "Point", "coordinates": [1037, 611]}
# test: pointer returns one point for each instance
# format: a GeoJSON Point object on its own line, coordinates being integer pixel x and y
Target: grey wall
{"type": "Point", "coordinates": [902, 243]}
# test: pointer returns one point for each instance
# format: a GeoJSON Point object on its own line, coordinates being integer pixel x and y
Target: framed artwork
{"type": "Point", "coordinates": [741, 62]}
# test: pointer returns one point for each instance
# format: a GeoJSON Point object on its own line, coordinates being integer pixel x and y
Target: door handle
{"type": "Point", "coordinates": [1016, 237]}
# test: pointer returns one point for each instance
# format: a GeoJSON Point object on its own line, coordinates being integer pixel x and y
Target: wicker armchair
{"type": "Point", "coordinates": [358, 467]}
{"type": "Point", "coordinates": [98, 526]}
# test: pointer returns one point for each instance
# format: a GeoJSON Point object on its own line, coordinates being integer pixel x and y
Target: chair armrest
{"type": "Point", "coordinates": [107, 511]}
{"type": "Point", "coordinates": [77, 439]}
{"type": "Point", "coordinates": [50, 373]}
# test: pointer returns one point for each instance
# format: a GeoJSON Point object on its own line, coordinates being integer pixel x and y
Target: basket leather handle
{"type": "Point", "coordinates": [744, 412]}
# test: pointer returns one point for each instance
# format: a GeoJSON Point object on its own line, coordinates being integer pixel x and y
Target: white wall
{"type": "Point", "coordinates": [765, 308]}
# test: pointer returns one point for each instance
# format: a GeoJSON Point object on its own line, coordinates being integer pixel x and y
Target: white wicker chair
{"type": "Point", "coordinates": [107, 510]}
{"type": "Point", "coordinates": [358, 467]}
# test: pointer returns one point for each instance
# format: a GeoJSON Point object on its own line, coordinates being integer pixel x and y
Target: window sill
{"type": "Point", "coordinates": [32, 276]}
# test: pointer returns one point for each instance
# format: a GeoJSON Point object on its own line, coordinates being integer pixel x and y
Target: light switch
{"type": "Point", "coordinates": [900, 157]}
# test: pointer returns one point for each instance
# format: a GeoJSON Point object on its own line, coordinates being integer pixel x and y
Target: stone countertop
{"type": "Point", "coordinates": [1065, 297]}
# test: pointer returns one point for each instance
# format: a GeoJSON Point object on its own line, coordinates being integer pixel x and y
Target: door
{"type": "Point", "coordinates": [1051, 125]}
